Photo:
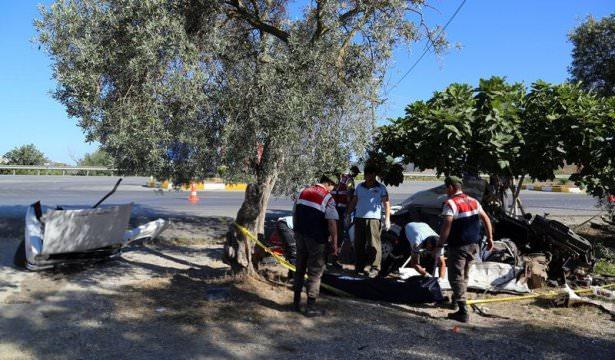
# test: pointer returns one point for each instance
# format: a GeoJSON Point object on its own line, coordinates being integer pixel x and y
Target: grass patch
{"type": "Point", "coordinates": [605, 267]}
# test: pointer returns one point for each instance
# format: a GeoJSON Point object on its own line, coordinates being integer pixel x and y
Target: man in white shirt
{"type": "Point", "coordinates": [421, 236]}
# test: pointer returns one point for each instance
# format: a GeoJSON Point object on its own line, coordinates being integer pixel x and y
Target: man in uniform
{"type": "Point", "coordinates": [315, 222]}
{"type": "Point", "coordinates": [342, 193]}
{"type": "Point", "coordinates": [368, 200]}
{"type": "Point", "coordinates": [461, 231]}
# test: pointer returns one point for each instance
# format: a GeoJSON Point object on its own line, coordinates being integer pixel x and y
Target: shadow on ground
{"type": "Point", "coordinates": [173, 318]}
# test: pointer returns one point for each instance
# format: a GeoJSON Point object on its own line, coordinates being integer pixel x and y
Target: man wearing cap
{"type": "Point", "coordinates": [342, 194]}
{"type": "Point", "coordinates": [461, 231]}
{"type": "Point", "coordinates": [315, 222]}
{"type": "Point", "coordinates": [369, 198]}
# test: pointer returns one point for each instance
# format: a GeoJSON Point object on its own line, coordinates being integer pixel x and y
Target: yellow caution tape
{"type": "Point", "coordinates": [282, 261]}
{"type": "Point", "coordinates": [544, 295]}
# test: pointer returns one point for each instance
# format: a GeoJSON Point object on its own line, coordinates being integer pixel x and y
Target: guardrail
{"type": "Point", "coordinates": [63, 169]}
{"type": "Point", "coordinates": [433, 175]}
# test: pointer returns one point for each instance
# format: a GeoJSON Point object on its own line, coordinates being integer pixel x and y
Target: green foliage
{"type": "Point", "coordinates": [460, 130]}
{"type": "Point", "coordinates": [96, 158]}
{"type": "Point", "coordinates": [179, 88]}
{"type": "Point", "coordinates": [25, 155]}
{"type": "Point", "coordinates": [429, 128]}
{"type": "Point", "coordinates": [499, 129]}
{"type": "Point", "coordinates": [390, 171]}
{"type": "Point", "coordinates": [593, 60]}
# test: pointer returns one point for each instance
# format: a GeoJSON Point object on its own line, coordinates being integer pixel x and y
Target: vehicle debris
{"type": "Point", "coordinates": [63, 236]}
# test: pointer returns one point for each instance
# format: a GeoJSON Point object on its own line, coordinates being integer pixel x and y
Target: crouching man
{"type": "Point", "coordinates": [422, 237]}
{"type": "Point", "coordinates": [461, 230]}
{"type": "Point", "coordinates": [315, 222]}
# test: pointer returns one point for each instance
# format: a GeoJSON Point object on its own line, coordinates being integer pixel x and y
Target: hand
{"type": "Point", "coordinates": [335, 250]}
{"type": "Point", "coordinates": [387, 224]}
{"type": "Point", "coordinates": [489, 244]}
{"type": "Point", "coordinates": [427, 274]}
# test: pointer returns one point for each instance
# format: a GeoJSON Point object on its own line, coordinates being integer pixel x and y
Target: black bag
{"type": "Point", "coordinates": [417, 289]}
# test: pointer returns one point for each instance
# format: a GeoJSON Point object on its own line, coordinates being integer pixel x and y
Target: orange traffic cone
{"type": "Point", "coordinates": [193, 198]}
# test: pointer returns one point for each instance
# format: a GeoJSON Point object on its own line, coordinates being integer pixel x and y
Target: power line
{"type": "Point", "coordinates": [429, 45]}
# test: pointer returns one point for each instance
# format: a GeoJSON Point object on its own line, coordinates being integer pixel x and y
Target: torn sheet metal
{"type": "Point", "coordinates": [54, 237]}
{"type": "Point", "coordinates": [487, 276]}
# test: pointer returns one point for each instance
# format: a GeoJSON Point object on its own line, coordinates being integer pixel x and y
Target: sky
{"type": "Point", "coordinates": [521, 40]}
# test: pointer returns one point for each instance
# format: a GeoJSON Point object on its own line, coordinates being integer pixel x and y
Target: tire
{"type": "Point", "coordinates": [19, 259]}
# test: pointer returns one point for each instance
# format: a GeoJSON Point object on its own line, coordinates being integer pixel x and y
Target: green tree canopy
{"type": "Point", "coordinates": [500, 129]}
{"type": "Point", "coordinates": [593, 54]}
{"type": "Point", "coordinates": [96, 158]}
{"type": "Point", "coordinates": [25, 155]}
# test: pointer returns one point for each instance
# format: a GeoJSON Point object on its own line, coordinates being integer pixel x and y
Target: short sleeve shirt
{"type": "Point", "coordinates": [417, 233]}
{"type": "Point", "coordinates": [369, 200]}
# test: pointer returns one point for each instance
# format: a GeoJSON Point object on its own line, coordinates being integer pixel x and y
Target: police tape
{"type": "Point", "coordinates": [282, 261]}
{"type": "Point", "coordinates": [542, 295]}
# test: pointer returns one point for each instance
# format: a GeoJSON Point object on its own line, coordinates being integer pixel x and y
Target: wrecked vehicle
{"type": "Point", "coordinates": [567, 254]}
{"type": "Point", "coordinates": [56, 237]}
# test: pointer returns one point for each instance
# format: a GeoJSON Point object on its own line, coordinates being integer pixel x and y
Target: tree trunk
{"type": "Point", "coordinates": [516, 203]}
{"type": "Point", "coordinates": [238, 248]}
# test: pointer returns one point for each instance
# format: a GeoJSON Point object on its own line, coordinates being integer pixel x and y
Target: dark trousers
{"type": "Point", "coordinates": [368, 248]}
{"type": "Point", "coordinates": [310, 259]}
{"type": "Point", "coordinates": [459, 260]}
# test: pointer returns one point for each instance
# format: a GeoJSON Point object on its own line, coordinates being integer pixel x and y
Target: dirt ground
{"type": "Point", "coordinates": [174, 298]}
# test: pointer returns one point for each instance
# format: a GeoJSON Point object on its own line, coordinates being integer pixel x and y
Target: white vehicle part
{"type": "Point", "coordinates": [150, 230]}
{"type": "Point", "coordinates": [490, 276]}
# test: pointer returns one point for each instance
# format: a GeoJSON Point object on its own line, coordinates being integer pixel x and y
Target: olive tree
{"type": "Point", "coordinates": [593, 54]}
{"type": "Point", "coordinates": [182, 87]}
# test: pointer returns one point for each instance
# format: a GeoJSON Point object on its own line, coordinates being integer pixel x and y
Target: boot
{"type": "Point", "coordinates": [311, 310]}
{"type": "Point", "coordinates": [297, 301]}
{"type": "Point", "coordinates": [462, 314]}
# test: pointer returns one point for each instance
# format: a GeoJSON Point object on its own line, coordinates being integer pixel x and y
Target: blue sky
{"type": "Point", "coordinates": [522, 40]}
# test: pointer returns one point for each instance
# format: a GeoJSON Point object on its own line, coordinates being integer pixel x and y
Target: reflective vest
{"type": "Point", "coordinates": [340, 193]}
{"type": "Point", "coordinates": [310, 211]}
{"type": "Point", "coordinates": [466, 220]}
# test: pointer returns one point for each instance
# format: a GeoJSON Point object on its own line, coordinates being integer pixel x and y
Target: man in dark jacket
{"type": "Point", "coordinates": [461, 232]}
{"type": "Point", "coordinates": [315, 222]}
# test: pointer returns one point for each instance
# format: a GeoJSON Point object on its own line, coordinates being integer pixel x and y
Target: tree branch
{"type": "Point", "coordinates": [239, 9]}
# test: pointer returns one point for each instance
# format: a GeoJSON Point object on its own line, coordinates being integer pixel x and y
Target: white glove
{"type": "Point", "coordinates": [387, 224]}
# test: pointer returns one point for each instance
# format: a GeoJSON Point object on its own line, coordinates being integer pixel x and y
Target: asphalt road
{"type": "Point", "coordinates": [17, 192]}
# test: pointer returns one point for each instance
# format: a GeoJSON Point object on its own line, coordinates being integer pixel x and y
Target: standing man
{"type": "Point", "coordinates": [315, 221]}
{"type": "Point", "coordinates": [342, 194]}
{"type": "Point", "coordinates": [461, 231]}
{"type": "Point", "coordinates": [368, 200]}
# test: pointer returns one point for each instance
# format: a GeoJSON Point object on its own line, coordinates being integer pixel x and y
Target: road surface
{"type": "Point", "coordinates": [17, 192]}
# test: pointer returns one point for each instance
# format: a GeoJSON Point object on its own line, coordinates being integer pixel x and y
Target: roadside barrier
{"type": "Point", "coordinates": [552, 188]}
{"type": "Point", "coordinates": [200, 186]}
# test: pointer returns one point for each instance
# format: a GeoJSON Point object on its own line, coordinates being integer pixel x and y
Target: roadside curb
{"type": "Point", "coordinates": [200, 186]}
{"type": "Point", "coordinates": [553, 188]}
